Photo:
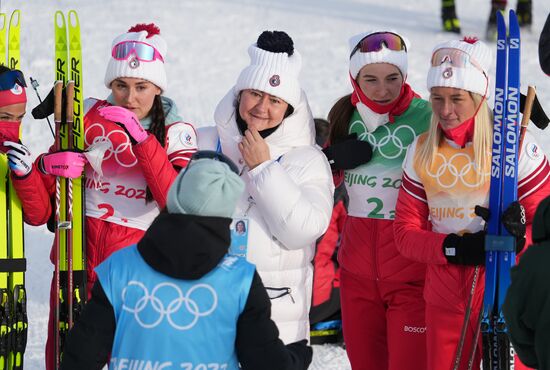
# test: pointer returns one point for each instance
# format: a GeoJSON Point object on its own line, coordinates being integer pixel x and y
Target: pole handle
{"type": "Point", "coordinates": [531, 93]}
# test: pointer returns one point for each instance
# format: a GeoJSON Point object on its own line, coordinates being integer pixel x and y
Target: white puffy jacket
{"type": "Point", "coordinates": [288, 202]}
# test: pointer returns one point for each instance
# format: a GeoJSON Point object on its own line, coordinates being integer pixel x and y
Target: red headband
{"type": "Point", "coordinates": [14, 96]}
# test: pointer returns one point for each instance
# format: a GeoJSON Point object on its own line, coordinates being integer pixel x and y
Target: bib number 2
{"type": "Point", "coordinates": [378, 206]}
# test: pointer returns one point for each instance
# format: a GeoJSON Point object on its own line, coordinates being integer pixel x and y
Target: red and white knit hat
{"type": "Point", "coordinates": [131, 67]}
{"type": "Point", "coordinates": [473, 77]}
{"type": "Point", "coordinates": [358, 60]}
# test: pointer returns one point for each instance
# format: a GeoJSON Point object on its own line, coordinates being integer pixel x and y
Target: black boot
{"type": "Point", "coordinates": [524, 13]}
{"type": "Point", "coordinates": [448, 17]}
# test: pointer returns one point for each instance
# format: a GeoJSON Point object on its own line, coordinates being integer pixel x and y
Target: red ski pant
{"type": "Point", "coordinates": [444, 328]}
{"type": "Point", "coordinates": [383, 323]}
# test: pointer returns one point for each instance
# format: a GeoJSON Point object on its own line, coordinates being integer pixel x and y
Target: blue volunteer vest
{"type": "Point", "coordinates": [164, 323]}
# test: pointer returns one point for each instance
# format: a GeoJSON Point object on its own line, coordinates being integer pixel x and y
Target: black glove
{"type": "Point", "coordinates": [348, 153]}
{"type": "Point", "coordinates": [468, 249]}
{"type": "Point", "coordinates": [538, 116]}
{"type": "Point", "coordinates": [513, 219]}
{"type": "Point", "coordinates": [46, 108]}
{"type": "Point", "coordinates": [301, 353]}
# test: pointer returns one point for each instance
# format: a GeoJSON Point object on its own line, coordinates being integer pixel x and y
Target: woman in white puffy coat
{"type": "Point", "coordinates": [265, 125]}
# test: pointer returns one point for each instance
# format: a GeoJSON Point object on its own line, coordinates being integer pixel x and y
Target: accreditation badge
{"type": "Point", "coordinates": [239, 237]}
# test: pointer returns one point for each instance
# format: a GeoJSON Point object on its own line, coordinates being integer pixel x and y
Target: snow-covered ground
{"type": "Point", "coordinates": [207, 42]}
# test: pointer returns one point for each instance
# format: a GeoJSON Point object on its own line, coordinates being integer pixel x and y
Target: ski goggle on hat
{"type": "Point", "coordinates": [455, 57]}
{"type": "Point", "coordinates": [143, 51]}
{"type": "Point", "coordinates": [376, 41]}
{"type": "Point", "coordinates": [8, 79]}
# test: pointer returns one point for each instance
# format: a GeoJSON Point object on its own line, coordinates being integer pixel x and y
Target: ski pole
{"type": "Point", "coordinates": [58, 229]}
{"type": "Point", "coordinates": [69, 203]}
{"type": "Point", "coordinates": [466, 322]}
{"type": "Point", "coordinates": [531, 93]}
{"type": "Point", "coordinates": [34, 84]}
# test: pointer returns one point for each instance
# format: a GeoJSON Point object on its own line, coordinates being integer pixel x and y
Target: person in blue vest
{"type": "Point", "coordinates": [177, 299]}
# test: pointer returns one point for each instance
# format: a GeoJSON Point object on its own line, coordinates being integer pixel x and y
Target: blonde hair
{"type": "Point", "coordinates": [428, 146]}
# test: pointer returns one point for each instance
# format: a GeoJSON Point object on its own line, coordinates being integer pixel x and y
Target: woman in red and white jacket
{"type": "Point", "coordinates": [380, 291]}
{"type": "Point", "coordinates": [447, 174]}
{"type": "Point", "coordinates": [140, 143]}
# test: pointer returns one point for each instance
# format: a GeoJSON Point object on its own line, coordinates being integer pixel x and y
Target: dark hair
{"type": "Point", "coordinates": [339, 117]}
{"type": "Point", "coordinates": [276, 42]}
{"type": "Point", "coordinates": [322, 130]}
{"type": "Point", "coordinates": [158, 129]}
{"type": "Point", "coordinates": [158, 121]}
{"type": "Point", "coordinates": [3, 69]}
{"type": "Point", "coordinates": [240, 222]}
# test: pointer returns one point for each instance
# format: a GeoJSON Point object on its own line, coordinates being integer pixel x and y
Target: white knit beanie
{"type": "Point", "coordinates": [358, 60]}
{"type": "Point", "coordinates": [132, 67]}
{"type": "Point", "coordinates": [275, 73]}
{"type": "Point", "coordinates": [470, 77]}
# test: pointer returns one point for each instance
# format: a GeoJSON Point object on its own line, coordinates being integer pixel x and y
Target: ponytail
{"type": "Point", "coordinates": [339, 117]}
{"type": "Point", "coordinates": [158, 121]}
{"type": "Point", "coordinates": [158, 129]}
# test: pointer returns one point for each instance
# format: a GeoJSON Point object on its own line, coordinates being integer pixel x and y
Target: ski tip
{"type": "Point", "coordinates": [492, 32]}
{"type": "Point", "coordinates": [59, 19]}
{"type": "Point", "coordinates": [73, 18]}
{"type": "Point", "coordinates": [15, 18]}
{"type": "Point", "coordinates": [500, 17]}
{"type": "Point", "coordinates": [512, 17]}
{"type": "Point", "coordinates": [513, 24]}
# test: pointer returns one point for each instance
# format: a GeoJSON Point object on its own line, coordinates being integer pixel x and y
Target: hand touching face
{"type": "Point", "coordinates": [253, 148]}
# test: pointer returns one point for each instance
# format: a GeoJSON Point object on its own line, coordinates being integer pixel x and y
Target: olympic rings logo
{"type": "Point", "coordinates": [151, 302]}
{"type": "Point", "coordinates": [390, 145]}
{"type": "Point", "coordinates": [458, 173]}
{"type": "Point", "coordinates": [123, 153]}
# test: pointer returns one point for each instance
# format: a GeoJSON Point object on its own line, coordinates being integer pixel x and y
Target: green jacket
{"type": "Point", "coordinates": [527, 305]}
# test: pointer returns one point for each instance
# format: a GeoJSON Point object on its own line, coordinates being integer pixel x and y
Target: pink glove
{"type": "Point", "coordinates": [64, 164]}
{"type": "Point", "coordinates": [127, 119]}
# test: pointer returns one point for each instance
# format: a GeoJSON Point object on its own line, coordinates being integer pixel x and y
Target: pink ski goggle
{"type": "Point", "coordinates": [143, 52]}
{"type": "Point", "coordinates": [455, 57]}
{"type": "Point", "coordinates": [375, 42]}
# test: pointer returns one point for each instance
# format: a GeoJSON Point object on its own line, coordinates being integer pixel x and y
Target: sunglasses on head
{"type": "Point", "coordinates": [8, 79]}
{"type": "Point", "coordinates": [211, 154]}
{"type": "Point", "coordinates": [376, 41]}
{"type": "Point", "coordinates": [455, 57]}
{"type": "Point", "coordinates": [143, 51]}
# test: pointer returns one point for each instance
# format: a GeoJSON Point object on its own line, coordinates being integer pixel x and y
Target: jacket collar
{"type": "Point", "coordinates": [298, 129]}
{"type": "Point", "coordinates": [185, 246]}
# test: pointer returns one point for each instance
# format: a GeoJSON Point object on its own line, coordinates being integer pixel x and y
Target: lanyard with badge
{"type": "Point", "coordinates": [239, 226]}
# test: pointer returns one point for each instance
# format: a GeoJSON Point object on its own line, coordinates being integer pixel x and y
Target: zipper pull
{"type": "Point", "coordinates": [250, 204]}
{"type": "Point", "coordinates": [289, 291]}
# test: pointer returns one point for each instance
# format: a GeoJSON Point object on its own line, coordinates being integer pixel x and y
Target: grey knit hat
{"type": "Point", "coordinates": [207, 187]}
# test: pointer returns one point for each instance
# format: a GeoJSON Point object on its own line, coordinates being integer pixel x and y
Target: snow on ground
{"type": "Point", "coordinates": [207, 42]}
